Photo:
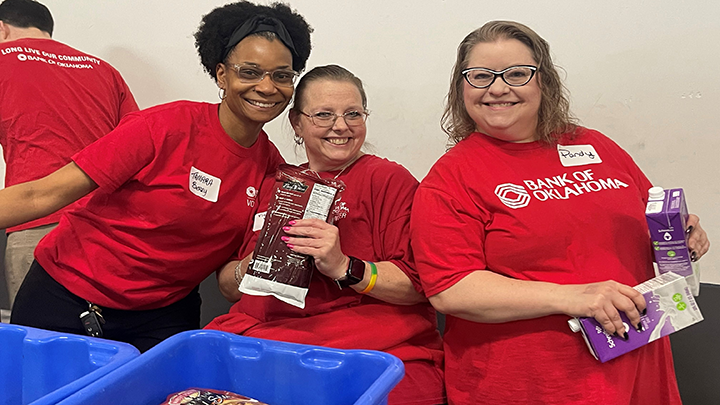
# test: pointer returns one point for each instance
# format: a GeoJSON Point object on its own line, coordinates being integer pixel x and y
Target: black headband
{"type": "Point", "coordinates": [260, 23]}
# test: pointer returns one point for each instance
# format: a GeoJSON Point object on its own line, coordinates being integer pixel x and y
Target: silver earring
{"type": "Point", "coordinates": [221, 93]}
{"type": "Point", "coordinates": [299, 140]}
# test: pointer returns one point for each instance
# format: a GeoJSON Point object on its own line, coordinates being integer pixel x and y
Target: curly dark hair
{"type": "Point", "coordinates": [216, 28]}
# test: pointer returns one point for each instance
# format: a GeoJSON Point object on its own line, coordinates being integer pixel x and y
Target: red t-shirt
{"type": "Point", "coordinates": [373, 218]}
{"type": "Point", "coordinates": [568, 214]}
{"type": "Point", "coordinates": [54, 101]}
{"type": "Point", "coordinates": [175, 197]}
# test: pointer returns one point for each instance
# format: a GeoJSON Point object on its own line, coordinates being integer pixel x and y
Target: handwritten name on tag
{"type": "Point", "coordinates": [578, 155]}
{"type": "Point", "coordinates": [204, 185]}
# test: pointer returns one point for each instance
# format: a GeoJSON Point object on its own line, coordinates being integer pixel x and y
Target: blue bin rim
{"type": "Point", "coordinates": [125, 353]}
{"type": "Point", "coordinates": [392, 374]}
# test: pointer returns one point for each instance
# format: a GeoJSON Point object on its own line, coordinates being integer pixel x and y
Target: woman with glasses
{"type": "Point", "coordinates": [173, 189]}
{"type": "Point", "coordinates": [529, 220]}
{"type": "Point", "coordinates": [364, 293]}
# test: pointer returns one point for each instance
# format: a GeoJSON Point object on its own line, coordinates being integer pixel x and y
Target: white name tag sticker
{"type": "Point", "coordinates": [578, 155]}
{"type": "Point", "coordinates": [204, 185]}
{"type": "Point", "coordinates": [259, 221]}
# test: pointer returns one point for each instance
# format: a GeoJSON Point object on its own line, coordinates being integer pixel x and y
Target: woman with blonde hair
{"type": "Point", "coordinates": [364, 292]}
{"type": "Point", "coordinates": [529, 220]}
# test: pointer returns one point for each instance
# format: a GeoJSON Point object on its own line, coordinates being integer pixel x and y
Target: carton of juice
{"type": "Point", "coordinates": [667, 216]}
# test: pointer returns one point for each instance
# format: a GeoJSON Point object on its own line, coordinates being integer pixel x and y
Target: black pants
{"type": "Point", "coordinates": [44, 303]}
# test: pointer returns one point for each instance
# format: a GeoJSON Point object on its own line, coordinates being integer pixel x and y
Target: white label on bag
{"type": "Point", "coordinates": [259, 221]}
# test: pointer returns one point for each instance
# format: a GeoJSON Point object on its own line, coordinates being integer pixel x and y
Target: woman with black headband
{"type": "Point", "coordinates": [175, 188]}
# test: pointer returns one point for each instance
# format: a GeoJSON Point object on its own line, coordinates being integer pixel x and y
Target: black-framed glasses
{"type": "Point", "coordinates": [326, 119]}
{"type": "Point", "coordinates": [252, 74]}
{"type": "Point", "coordinates": [515, 76]}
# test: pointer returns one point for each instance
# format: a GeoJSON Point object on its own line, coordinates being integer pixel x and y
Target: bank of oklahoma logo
{"type": "Point", "coordinates": [512, 195]}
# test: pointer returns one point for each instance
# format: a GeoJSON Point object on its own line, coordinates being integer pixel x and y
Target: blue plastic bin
{"type": "Point", "coordinates": [278, 373]}
{"type": "Point", "coordinates": [42, 367]}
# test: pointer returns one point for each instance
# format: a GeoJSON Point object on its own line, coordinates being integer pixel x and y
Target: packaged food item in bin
{"type": "Point", "coordinates": [198, 396]}
{"type": "Point", "coordinates": [275, 269]}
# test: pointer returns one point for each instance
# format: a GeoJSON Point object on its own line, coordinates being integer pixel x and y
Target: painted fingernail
{"type": "Point", "coordinates": [285, 238]}
{"type": "Point", "coordinates": [290, 246]}
{"type": "Point", "coordinates": [625, 336]}
{"type": "Point", "coordinates": [286, 228]}
{"type": "Point", "coordinates": [292, 222]}
{"type": "Point", "coordinates": [689, 229]}
{"type": "Point", "coordinates": [693, 256]}
{"type": "Point", "coordinates": [644, 312]}
{"type": "Point", "coordinates": [639, 327]}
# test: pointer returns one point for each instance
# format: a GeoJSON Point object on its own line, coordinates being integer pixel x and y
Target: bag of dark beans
{"type": "Point", "coordinates": [275, 269]}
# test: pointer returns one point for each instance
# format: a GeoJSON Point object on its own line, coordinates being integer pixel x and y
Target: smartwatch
{"type": "Point", "coordinates": [354, 274]}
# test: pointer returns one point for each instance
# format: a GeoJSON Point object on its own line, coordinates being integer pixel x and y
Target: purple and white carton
{"type": "Point", "coordinates": [667, 215]}
{"type": "Point", "coordinates": [670, 307]}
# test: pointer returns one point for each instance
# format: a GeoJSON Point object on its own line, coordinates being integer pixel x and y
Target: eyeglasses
{"type": "Point", "coordinates": [515, 76]}
{"type": "Point", "coordinates": [253, 74]}
{"type": "Point", "coordinates": [326, 119]}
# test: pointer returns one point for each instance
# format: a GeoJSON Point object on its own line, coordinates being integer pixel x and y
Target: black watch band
{"type": "Point", "coordinates": [354, 273]}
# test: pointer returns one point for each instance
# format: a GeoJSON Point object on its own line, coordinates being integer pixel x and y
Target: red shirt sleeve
{"type": "Point", "coordinates": [127, 101]}
{"type": "Point", "coordinates": [447, 231]}
{"type": "Point", "coordinates": [636, 173]}
{"type": "Point", "coordinates": [118, 156]}
{"type": "Point", "coordinates": [394, 203]}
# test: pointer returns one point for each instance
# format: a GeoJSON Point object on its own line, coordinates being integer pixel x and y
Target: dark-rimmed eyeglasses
{"type": "Point", "coordinates": [252, 74]}
{"type": "Point", "coordinates": [326, 119]}
{"type": "Point", "coordinates": [515, 76]}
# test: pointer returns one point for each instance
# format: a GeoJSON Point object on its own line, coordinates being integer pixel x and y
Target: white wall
{"type": "Point", "coordinates": [643, 72]}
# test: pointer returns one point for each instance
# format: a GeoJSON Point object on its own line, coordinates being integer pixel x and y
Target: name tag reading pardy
{"type": "Point", "coordinates": [578, 155]}
{"type": "Point", "coordinates": [204, 185]}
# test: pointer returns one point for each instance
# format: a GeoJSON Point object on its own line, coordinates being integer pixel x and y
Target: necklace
{"type": "Point", "coordinates": [348, 164]}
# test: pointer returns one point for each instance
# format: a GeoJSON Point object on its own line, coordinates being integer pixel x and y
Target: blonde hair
{"type": "Point", "coordinates": [554, 117]}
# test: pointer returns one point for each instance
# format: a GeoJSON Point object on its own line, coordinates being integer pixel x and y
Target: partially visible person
{"type": "Point", "coordinates": [54, 101]}
{"type": "Point", "coordinates": [529, 220]}
{"type": "Point", "coordinates": [175, 187]}
{"type": "Point", "coordinates": [347, 306]}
